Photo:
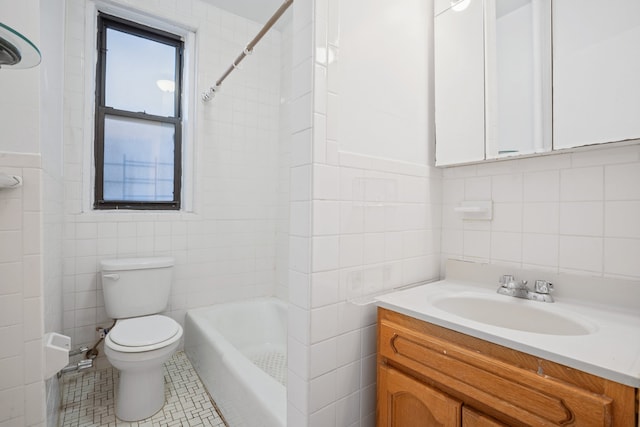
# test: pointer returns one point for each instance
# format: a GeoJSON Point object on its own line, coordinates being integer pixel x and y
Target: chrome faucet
{"type": "Point", "coordinates": [513, 288]}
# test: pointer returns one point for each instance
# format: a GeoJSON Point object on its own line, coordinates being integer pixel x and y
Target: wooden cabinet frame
{"type": "Point", "coordinates": [509, 386]}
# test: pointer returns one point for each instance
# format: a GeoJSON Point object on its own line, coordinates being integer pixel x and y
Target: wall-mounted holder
{"type": "Point", "coordinates": [10, 181]}
{"type": "Point", "coordinates": [476, 210]}
{"type": "Point", "coordinates": [56, 353]}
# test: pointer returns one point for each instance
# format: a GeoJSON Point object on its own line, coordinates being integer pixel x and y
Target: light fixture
{"type": "Point", "coordinates": [166, 85]}
{"type": "Point", "coordinates": [16, 51]}
{"type": "Point", "coordinates": [459, 5]}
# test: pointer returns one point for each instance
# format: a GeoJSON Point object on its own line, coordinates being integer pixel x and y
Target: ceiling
{"type": "Point", "coordinates": [256, 10]}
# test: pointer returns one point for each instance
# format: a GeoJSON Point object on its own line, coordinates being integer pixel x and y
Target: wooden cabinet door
{"type": "Point", "coordinates": [406, 402]}
{"type": "Point", "coordinates": [471, 418]}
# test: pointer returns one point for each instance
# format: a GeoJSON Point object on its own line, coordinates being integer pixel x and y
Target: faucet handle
{"type": "Point", "coordinates": [543, 287]}
{"type": "Point", "coordinates": [505, 279]}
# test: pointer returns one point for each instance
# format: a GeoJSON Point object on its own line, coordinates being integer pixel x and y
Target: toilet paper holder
{"type": "Point", "coordinates": [56, 353]}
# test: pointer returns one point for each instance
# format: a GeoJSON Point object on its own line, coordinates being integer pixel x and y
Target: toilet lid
{"type": "Point", "coordinates": [143, 331]}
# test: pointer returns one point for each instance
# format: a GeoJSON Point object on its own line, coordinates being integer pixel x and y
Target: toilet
{"type": "Point", "coordinates": [135, 291]}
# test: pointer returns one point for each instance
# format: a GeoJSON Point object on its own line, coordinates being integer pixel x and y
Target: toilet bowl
{"type": "Point", "coordinates": [138, 347]}
{"type": "Point", "coordinates": [135, 291]}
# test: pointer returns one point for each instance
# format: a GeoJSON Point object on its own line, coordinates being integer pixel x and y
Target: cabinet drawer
{"type": "Point", "coordinates": [519, 396]}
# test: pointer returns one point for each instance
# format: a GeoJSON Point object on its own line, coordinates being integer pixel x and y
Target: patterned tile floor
{"type": "Point", "coordinates": [88, 399]}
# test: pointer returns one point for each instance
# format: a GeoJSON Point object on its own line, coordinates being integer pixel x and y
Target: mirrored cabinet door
{"type": "Point", "coordinates": [596, 71]}
{"type": "Point", "coordinates": [518, 77]}
{"type": "Point", "coordinates": [459, 82]}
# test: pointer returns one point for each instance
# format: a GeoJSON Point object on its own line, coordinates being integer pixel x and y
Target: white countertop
{"type": "Point", "coordinates": [611, 350]}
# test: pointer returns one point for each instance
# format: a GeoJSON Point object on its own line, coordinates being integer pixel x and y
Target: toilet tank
{"type": "Point", "coordinates": [136, 286]}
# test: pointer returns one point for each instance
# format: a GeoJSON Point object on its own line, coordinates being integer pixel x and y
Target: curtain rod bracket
{"type": "Point", "coordinates": [210, 93]}
{"type": "Point", "coordinates": [248, 50]}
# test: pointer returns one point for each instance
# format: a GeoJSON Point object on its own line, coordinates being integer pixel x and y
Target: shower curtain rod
{"type": "Point", "coordinates": [211, 92]}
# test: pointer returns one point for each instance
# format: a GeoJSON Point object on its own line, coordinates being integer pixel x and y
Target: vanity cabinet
{"type": "Point", "coordinates": [433, 376]}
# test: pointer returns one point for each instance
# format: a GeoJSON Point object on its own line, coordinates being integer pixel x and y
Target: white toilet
{"type": "Point", "coordinates": [135, 290]}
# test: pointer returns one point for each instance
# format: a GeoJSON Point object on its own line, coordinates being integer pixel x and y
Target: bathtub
{"type": "Point", "coordinates": [239, 351]}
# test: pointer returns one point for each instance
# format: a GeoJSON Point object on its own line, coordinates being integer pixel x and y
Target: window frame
{"type": "Point", "coordinates": [102, 111]}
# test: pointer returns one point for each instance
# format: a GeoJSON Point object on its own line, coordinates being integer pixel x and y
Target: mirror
{"type": "Point", "coordinates": [493, 76]}
{"type": "Point", "coordinates": [596, 71]}
{"type": "Point", "coordinates": [459, 82]}
{"type": "Point", "coordinates": [518, 63]}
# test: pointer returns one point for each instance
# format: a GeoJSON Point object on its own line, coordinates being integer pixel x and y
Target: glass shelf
{"type": "Point", "coordinates": [16, 51]}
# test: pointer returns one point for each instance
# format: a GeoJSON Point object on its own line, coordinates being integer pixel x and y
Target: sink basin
{"type": "Point", "coordinates": [513, 313]}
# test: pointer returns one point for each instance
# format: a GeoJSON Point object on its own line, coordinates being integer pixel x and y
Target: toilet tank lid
{"type": "Point", "coordinates": [135, 263]}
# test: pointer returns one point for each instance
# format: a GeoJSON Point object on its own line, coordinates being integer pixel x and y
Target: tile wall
{"type": "Point", "coordinates": [361, 222]}
{"type": "Point", "coordinates": [284, 158]}
{"type": "Point", "coordinates": [21, 300]}
{"type": "Point", "coordinates": [573, 212]}
{"type": "Point", "coordinates": [51, 124]}
{"type": "Point", "coordinates": [22, 389]}
{"type": "Point", "coordinates": [226, 248]}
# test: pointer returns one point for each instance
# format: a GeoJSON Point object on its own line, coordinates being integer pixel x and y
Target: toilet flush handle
{"type": "Point", "coordinates": [112, 276]}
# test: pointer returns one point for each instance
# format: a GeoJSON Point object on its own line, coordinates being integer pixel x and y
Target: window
{"type": "Point", "coordinates": [138, 133]}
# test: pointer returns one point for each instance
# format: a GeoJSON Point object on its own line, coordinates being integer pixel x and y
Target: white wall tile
{"type": "Point", "coordinates": [326, 253]}
{"type": "Point", "coordinates": [542, 186]}
{"type": "Point", "coordinates": [326, 217]}
{"type": "Point", "coordinates": [10, 214]}
{"type": "Point", "coordinates": [507, 188]}
{"type": "Point", "coordinates": [11, 406]}
{"type": "Point", "coordinates": [477, 188]}
{"type": "Point", "coordinates": [297, 397]}
{"type": "Point", "coordinates": [581, 253]}
{"type": "Point", "coordinates": [622, 219]}
{"type": "Point", "coordinates": [298, 358]}
{"type": "Point", "coordinates": [322, 391]}
{"type": "Point", "coordinates": [323, 417]}
{"type": "Point", "coordinates": [348, 348]}
{"type": "Point", "coordinates": [322, 357]}
{"type": "Point", "coordinates": [582, 218]}
{"type": "Point", "coordinates": [324, 323]}
{"type": "Point", "coordinates": [540, 249]}
{"type": "Point", "coordinates": [477, 244]}
{"type": "Point", "coordinates": [618, 179]}
{"type": "Point", "coordinates": [506, 247]}
{"type": "Point", "coordinates": [351, 250]}
{"type": "Point", "coordinates": [582, 184]}
{"type": "Point", "coordinates": [507, 217]}
{"type": "Point", "coordinates": [11, 372]}
{"type": "Point", "coordinates": [299, 289]}
{"type": "Point", "coordinates": [300, 218]}
{"type": "Point", "coordinates": [326, 182]}
{"type": "Point", "coordinates": [348, 379]}
{"type": "Point", "coordinates": [300, 254]}
{"type": "Point", "coordinates": [13, 341]}
{"type": "Point", "coordinates": [325, 288]}
{"type": "Point", "coordinates": [541, 218]}
{"type": "Point", "coordinates": [10, 310]}
{"type": "Point", "coordinates": [11, 246]}
{"type": "Point", "coordinates": [374, 248]}
{"type": "Point", "coordinates": [351, 217]}
{"type": "Point", "coordinates": [298, 324]}
{"type": "Point", "coordinates": [621, 257]}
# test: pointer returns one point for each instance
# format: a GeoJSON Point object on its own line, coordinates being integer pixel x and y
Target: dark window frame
{"type": "Point", "coordinates": [102, 111]}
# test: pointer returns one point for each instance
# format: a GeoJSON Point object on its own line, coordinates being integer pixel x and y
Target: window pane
{"type": "Point", "coordinates": [138, 160]}
{"type": "Point", "coordinates": [140, 74]}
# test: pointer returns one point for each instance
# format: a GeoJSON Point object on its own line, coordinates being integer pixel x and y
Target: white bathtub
{"type": "Point", "coordinates": [226, 343]}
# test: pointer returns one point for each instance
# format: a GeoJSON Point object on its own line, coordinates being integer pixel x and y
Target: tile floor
{"type": "Point", "coordinates": [88, 399]}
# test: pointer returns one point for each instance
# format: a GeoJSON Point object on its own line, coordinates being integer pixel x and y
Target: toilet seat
{"type": "Point", "coordinates": [146, 333]}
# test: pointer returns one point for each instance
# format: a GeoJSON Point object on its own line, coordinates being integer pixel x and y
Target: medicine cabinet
{"type": "Point", "coordinates": [520, 77]}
